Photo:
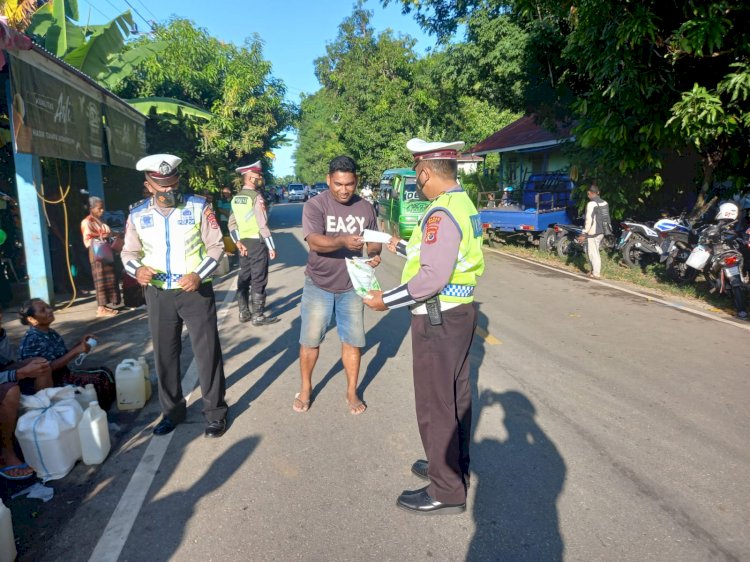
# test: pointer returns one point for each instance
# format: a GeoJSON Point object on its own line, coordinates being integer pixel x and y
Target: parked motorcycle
{"type": "Point", "coordinates": [718, 255]}
{"type": "Point", "coordinates": [567, 243]}
{"type": "Point", "coordinates": [640, 242]}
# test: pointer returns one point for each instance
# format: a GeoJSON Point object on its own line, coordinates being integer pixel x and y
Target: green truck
{"type": "Point", "coordinates": [399, 206]}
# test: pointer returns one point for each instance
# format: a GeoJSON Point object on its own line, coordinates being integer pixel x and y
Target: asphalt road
{"type": "Point", "coordinates": [607, 427]}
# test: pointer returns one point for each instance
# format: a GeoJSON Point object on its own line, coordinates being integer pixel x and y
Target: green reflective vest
{"type": "Point", "coordinates": [470, 260]}
{"type": "Point", "coordinates": [243, 207]}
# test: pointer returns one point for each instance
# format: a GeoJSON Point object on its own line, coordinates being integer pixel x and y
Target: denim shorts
{"type": "Point", "coordinates": [319, 306]}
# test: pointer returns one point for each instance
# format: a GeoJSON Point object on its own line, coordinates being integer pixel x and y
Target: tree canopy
{"type": "Point", "coordinates": [248, 113]}
{"type": "Point", "coordinates": [641, 79]}
{"type": "Point", "coordinates": [377, 93]}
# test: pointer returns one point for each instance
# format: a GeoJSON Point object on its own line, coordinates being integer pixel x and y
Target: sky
{"type": "Point", "coordinates": [294, 33]}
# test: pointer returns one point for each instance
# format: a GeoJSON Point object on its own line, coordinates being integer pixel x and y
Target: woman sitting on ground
{"type": "Point", "coordinates": [33, 374]}
{"type": "Point", "coordinates": [105, 280]}
{"type": "Point", "coordinates": [42, 341]}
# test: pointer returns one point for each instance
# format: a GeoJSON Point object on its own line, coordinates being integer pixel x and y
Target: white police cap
{"type": "Point", "coordinates": [256, 167]}
{"type": "Point", "coordinates": [423, 150]}
{"type": "Point", "coordinates": [162, 168]}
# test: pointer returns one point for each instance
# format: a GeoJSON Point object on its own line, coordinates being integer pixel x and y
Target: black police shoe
{"type": "Point", "coordinates": [164, 426]}
{"type": "Point", "coordinates": [419, 468]}
{"type": "Point", "coordinates": [421, 502]}
{"type": "Point", "coordinates": [216, 428]}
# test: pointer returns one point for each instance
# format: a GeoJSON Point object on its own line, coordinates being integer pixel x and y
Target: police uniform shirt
{"type": "Point", "coordinates": [210, 234]}
{"type": "Point", "coordinates": [261, 215]}
{"type": "Point", "coordinates": [438, 252]}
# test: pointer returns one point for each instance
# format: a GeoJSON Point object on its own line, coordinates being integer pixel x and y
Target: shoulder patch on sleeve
{"type": "Point", "coordinates": [210, 217]}
{"type": "Point", "coordinates": [431, 230]}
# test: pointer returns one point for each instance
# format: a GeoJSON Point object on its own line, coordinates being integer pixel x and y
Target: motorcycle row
{"type": "Point", "coordinates": [720, 250]}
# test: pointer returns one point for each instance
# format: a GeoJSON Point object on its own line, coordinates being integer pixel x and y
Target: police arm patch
{"type": "Point", "coordinates": [431, 230]}
{"type": "Point", "coordinates": [210, 217]}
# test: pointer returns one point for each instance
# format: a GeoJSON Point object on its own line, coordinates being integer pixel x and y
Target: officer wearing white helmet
{"type": "Point", "coordinates": [172, 246]}
{"type": "Point", "coordinates": [443, 261]}
{"type": "Point", "coordinates": [248, 227]}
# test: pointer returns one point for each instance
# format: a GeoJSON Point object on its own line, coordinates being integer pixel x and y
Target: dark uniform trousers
{"type": "Point", "coordinates": [167, 311]}
{"type": "Point", "coordinates": [442, 394]}
{"type": "Point", "coordinates": [253, 267]}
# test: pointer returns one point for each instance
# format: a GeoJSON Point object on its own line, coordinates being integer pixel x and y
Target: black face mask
{"type": "Point", "coordinates": [420, 186]}
{"type": "Point", "coordinates": [170, 198]}
{"type": "Point", "coordinates": [259, 183]}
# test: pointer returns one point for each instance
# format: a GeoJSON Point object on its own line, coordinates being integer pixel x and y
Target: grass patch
{"type": "Point", "coordinates": [652, 277]}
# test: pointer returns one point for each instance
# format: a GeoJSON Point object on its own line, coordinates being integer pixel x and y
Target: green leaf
{"type": "Point", "coordinates": [92, 57]}
{"type": "Point", "coordinates": [122, 65]}
{"type": "Point", "coordinates": [169, 106]}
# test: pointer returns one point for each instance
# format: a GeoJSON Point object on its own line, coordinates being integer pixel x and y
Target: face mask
{"type": "Point", "coordinates": [170, 198]}
{"type": "Point", "coordinates": [258, 182]}
{"type": "Point", "coordinates": [420, 187]}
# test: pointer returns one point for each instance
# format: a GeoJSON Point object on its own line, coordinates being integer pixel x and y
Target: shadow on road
{"type": "Point", "coordinates": [171, 514]}
{"type": "Point", "coordinates": [518, 479]}
{"type": "Point", "coordinates": [385, 339]}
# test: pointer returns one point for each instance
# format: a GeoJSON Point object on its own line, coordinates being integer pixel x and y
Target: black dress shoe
{"type": "Point", "coordinates": [216, 428]}
{"type": "Point", "coordinates": [423, 504]}
{"type": "Point", "coordinates": [420, 469]}
{"type": "Point", "coordinates": [164, 426]}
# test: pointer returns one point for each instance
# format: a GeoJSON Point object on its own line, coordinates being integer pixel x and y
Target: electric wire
{"type": "Point", "coordinates": [149, 11]}
{"type": "Point", "coordinates": [148, 23]}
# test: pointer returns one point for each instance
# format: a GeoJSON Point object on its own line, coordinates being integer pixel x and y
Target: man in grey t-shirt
{"type": "Point", "coordinates": [332, 224]}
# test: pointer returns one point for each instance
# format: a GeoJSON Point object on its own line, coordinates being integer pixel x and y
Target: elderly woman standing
{"type": "Point", "coordinates": [105, 281]}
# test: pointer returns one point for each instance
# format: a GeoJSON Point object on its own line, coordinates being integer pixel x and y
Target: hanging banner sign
{"type": "Point", "coordinates": [53, 118]}
{"type": "Point", "coordinates": [126, 135]}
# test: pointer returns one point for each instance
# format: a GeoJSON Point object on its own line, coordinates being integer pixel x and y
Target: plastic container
{"type": "Point", "coordinates": [146, 375]}
{"type": "Point", "coordinates": [94, 434]}
{"type": "Point", "coordinates": [7, 542]}
{"type": "Point", "coordinates": [48, 433]}
{"type": "Point", "coordinates": [86, 396]}
{"type": "Point", "coordinates": [698, 258]}
{"type": "Point", "coordinates": [131, 390]}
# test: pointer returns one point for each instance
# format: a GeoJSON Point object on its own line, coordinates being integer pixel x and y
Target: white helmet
{"type": "Point", "coordinates": [729, 210]}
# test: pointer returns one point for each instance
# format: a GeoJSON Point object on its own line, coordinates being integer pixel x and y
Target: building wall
{"type": "Point", "coordinates": [516, 167]}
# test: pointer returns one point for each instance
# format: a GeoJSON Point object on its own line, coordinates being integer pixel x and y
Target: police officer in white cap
{"type": "Point", "coordinates": [172, 246]}
{"type": "Point", "coordinates": [248, 227]}
{"type": "Point", "coordinates": [443, 261]}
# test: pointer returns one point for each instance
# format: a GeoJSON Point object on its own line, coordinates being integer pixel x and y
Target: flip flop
{"type": "Point", "coordinates": [10, 477]}
{"type": "Point", "coordinates": [304, 406]}
{"type": "Point", "coordinates": [106, 314]}
{"type": "Point", "coordinates": [354, 406]}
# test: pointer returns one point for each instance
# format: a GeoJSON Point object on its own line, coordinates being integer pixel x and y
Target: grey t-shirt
{"type": "Point", "coordinates": [324, 215]}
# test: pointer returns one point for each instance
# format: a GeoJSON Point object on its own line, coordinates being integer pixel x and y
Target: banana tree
{"type": "Point", "coordinates": [102, 52]}
{"type": "Point", "coordinates": [18, 12]}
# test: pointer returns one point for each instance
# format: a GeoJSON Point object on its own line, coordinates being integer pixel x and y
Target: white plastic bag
{"type": "Point", "coordinates": [48, 432]}
{"type": "Point", "coordinates": [362, 275]}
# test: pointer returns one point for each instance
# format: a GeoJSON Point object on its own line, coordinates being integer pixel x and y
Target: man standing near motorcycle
{"type": "Point", "coordinates": [598, 225]}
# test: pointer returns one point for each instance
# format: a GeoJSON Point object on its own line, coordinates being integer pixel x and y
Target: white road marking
{"type": "Point", "coordinates": [123, 518]}
{"type": "Point", "coordinates": [713, 317]}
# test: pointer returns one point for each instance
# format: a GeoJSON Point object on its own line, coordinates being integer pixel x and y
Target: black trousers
{"type": "Point", "coordinates": [167, 312]}
{"type": "Point", "coordinates": [443, 398]}
{"type": "Point", "coordinates": [253, 274]}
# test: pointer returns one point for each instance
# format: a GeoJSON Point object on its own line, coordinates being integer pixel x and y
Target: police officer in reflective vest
{"type": "Point", "coordinates": [172, 245]}
{"type": "Point", "coordinates": [443, 261]}
{"type": "Point", "coordinates": [248, 227]}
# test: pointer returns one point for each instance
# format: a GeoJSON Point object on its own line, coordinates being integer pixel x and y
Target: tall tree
{"type": "Point", "coordinates": [234, 84]}
{"type": "Point", "coordinates": [644, 77]}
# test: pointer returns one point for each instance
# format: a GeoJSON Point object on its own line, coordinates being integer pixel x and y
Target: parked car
{"type": "Point", "coordinates": [317, 188]}
{"type": "Point", "coordinates": [296, 192]}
